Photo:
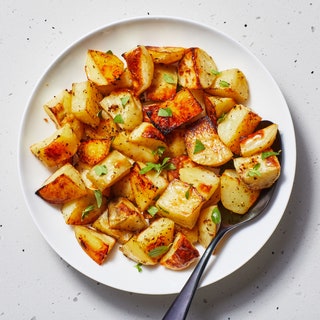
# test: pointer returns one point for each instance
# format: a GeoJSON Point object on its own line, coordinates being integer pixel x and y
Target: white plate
{"type": "Point", "coordinates": [266, 99]}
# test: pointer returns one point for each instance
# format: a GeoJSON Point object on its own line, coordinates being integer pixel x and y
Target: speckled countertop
{"type": "Point", "coordinates": [281, 281]}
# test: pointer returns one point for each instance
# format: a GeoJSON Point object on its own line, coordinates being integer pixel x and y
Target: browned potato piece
{"type": "Point", "coordinates": [93, 151]}
{"type": "Point", "coordinates": [206, 227]}
{"type": "Point", "coordinates": [191, 234]}
{"type": "Point", "coordinates": [95, 244]}
{"type": "Point", "coordinates": [103, 68]}
{"type": "Point", "coordinates": [181, 254]}
{"type": "Point", "coordinates": [63, 185]}
{"type": "Point", "coordinates": [58, 148]}
{"type": "Point", "coordinates": [166, 55]}
{"type": "Point", "coordinates": [84, 210]}
{"type": "Point", "coordinates": [179, 162]}
{"type": "Point", "coordinates": [239, 121]}
{"type": "Point", "coordinates": [235, 195]}
{"type": "Point", "coordinates": [164, 83]}
{"type": "Point", "coordinates": [132, 250]}
{"type": "Point", "coordinates": [124, 215]}
{"type": "Point", "coordinates": [196, 69]}
{"type": "Point", "coordinates": [102, 224]}
{"type": "Point", "coordinates": [180, 202]}
{"type": "Point", "coordinates": [175, 143]}
{"type": "Point", "coordinates": [204, 145]}
{"type": "Point", "coordinates": [175, 112]}
{"type": "Point", "coordinates": [85, 102]}
{"type": "Point", "coordinates": [230, 83]}
{"type": "Point", "coordinates": [258, 141]}
{"type": "Point", "coordinates": [122, 188]}
{"type": "Point", "coordinates": [258, 172]}
{"type": "Point", "coordinates": [217, 107]}
{"type": "Point", "coordinates": [110, 170]}
{"type": "Point", "coordinates": [58, 107]}
{"type": "Point", "coordinates": [140, 64]}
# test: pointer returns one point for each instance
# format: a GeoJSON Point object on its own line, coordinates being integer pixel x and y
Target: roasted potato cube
{"type": "Point", "coordinates": [179, 162]}
{"type": "Point", "coordinates": [230, 83]}
{"type": "Point", "coordinates": [235, 195]}
{"type": "Point", "coordinates": [106, 129]}
{"type": "Point", "coordinates": [204, 180]}
{"type": "Point", "coordinates": [191, 234]}
{"type": "Point", "coordinates": [175, 112]}
{"type": "Point", "coordinates": [93, 151]}
{"type": "Point", "coordinates": [102, 224]}
{"type": "Point", "coordinates": [181, 254]}
{"type": "Point", "coordinates": [124, 215]}
{"type": "Point", "coordinates": [58, 107]}
{"type": "Point", "coordinates": [196, 69]}
{"type": "Point", "coordinates": [180, 202]}
{"type": "Point", "coordinates": [95, 244]}
{"type": "Point", "coordinates": [124, 107]}
{"type": "Point", "coordinates": [140, 64]}
{"type": "Point", "coordinates": [103, 68]}
{"type": "Point", "coordinates": [146, 134]}
{"type": "Point", "coordinates": [132, 250]}
{"type": "Point", "coordinates": [204, 145]}
{"type": "Point", "coordinates": [146, 187]}
{"type": "Point", "coordinates": [58, 148]}
{"type": "Point", "coordinates": [258, 172]}
{"type": "Point", "coordinates": [85, 102]}
{"type": "Point", "coordinates": [207, 228]}
{"type": "Point", "coordinates": [110, 170]}
{"type": "Point", "coordinates": [84, 210]}
{"type": "Point", "coordinates": [63, 185]}
{"type": "Point", "coordinates": [175, 143]}
{"type": "Point", "coordinates": [258, 141]}
{"type": "Point", "coordinates": [165, 55]}
{"type": "Point", "coordinates": [122, 188]}
{"type": "Point", "coordinates": [158, 235]}
{"type": "Point", "coordinates": [217, 107]}
{"type": "Point", "coordinates": [164, 83]}
{"type": "Point", "coordinates": [239, 121]}
{"type": "Point", "coordinates": [123, 144]}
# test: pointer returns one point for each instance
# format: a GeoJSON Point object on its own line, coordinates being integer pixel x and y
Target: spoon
{"type": "Point", "coordinates": [180, 306]}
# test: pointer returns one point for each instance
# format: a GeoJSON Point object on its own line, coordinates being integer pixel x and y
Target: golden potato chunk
{"type": "Point", "coordinates": [63, 185]}
{"type": "Point", "coordinates": [181, 254]}
{"type": "Point", "coordinates": [217, 107]}
{"type": "Point", "coordinates": [95, 244]}
{"type": "Point", "coordinates": [196, 70]}
{"type": "Point", "coordinates": [238, 122]}
{"type": "Point", "coordinates": [165, 55]}
{"type": "Point", "coordinates": [258, 171]}
{"type": "Point", "coordinates": [180, 202]}
{"type": "Point", "coordinates": [93, 151]}
{"type": "Point", "coordinates": [230, 83]}
{"type": "Point", "coordinates": [175, 112]}
{"type": "Point", "coordinates": [85, 102]}
{"type": "Point", "coordinates": [235, 195]}
{"type": "Point", "coordinates": [204, 145]}
{"type": "Point", "coordinates": [57, 148]}
{"type": "Point", "coordinates": [258, 141]}
{"type": "Point", "coordinates": [175, 143]}
{"type": "Point", "coordinates": [141, 67]}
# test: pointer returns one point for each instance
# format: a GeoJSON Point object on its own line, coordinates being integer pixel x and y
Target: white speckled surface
{"type": "Point", "coordinates": [281, 281]}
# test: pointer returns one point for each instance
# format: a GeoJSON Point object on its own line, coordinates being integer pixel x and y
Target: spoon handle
{"type": "Point", "coordinates": [180, 306]}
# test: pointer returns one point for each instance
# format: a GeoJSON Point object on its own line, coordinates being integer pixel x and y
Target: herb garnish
{"type": "Point", "coordinates": [198, 147]}
{"type": "Point", "coordinates": [165, 165]}
{"type": "Point", "coordinates": [153, 210]}
{"type": "Point", "coordinates": [168, 78]}
{"type": "Point", "coordinates": [158, 251]}
{"type": "Point", "coordinates": [138, 266]}
{"type": "Point", "coordinates": [86, 211]}
{"type": "Point", "coordinates": [101, 170]}
{"type": "Point", "coordinates": [118, 119]}
{"type": "Point", "coordinates": [165, 112]}
{"type": "Point", "coordinates": [224, 84]}
{"type": "Point", "coordinates": [267, 154]}
{"type": "Point", "coordinates": [98, 195]}
{"type": "Point", "coordinates": [255, 171]}
{"type": "Point", "coordinates": [124, 100]}
{"type": "Point", "coordinates": [159, 151]}
{"type": "Point", "coordinates": [216, 215]}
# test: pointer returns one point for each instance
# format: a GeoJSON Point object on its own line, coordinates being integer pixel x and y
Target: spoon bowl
{"type": "Point", "coordinates": [229, 221]}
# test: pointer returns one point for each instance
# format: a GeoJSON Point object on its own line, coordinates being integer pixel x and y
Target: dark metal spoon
{"type": "Point", "coordinates": [180, 306]}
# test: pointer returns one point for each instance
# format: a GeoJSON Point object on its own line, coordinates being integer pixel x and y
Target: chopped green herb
{"type": "Point", "coordinates": [268, 154]}
{"type": "Point", "coordinates": [215, 72]}
{"type": "Point", "coordinates": [138, 266]}
{"type": "Point", "coordinates": [86, 211]}
{"type": "Point", "coordinates": [216, 215]}
{"type": "Point", "coordinates": [224, 84]}
{"type": "Point", "coordinates": [169, 78]}
{"type": "Point", "coordinates": [109, 51]}
{"type": "Point", "coordinates": [158, 251]}
{"type": "Point", "coordinates": [221, 118]}
{"type": "Point", "coordinates": [254, 171]}
{"type": "Point", "coordinates": [159, 151]}
{"type": "Point", "coordinates": [118, 119]}
{"type": "Point", "coordinates": [198, 147]}
{"type": "Point", "coordinates": [99, 114]}
{"type": "Point", "coordinates": [165, 112]}
{"type": "Point", "coordinates": [165, 165]}
{"type": "Point", "coordinates": [100, 170]}
{"type": "Point", "coordinates": [124, 100]}
{"type": "Point", "coordinates": [153, 210]}
{"type": "Point", "coordinates": [98, 195]}
{"type": "Point", "coordinates": [187, 194]}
